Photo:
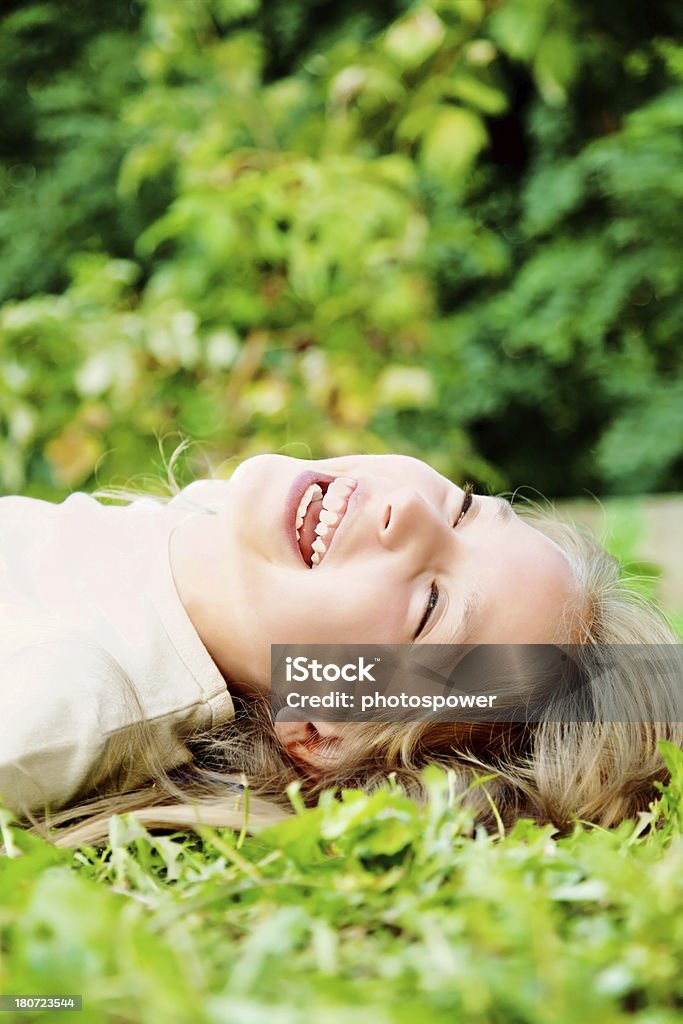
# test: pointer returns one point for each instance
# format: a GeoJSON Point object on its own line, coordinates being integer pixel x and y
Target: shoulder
{"type": "Point", "coordinates": [55, 673]}
{"type": "Point", "coordinates": [39, 650]}
{"type": "Point", "coordinates": [60, 697]}
{"type": "Point", "coordinates": [207, 495]}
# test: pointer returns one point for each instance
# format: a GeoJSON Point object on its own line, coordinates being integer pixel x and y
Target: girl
{"type": "Point", "coordinates": [135, 645]}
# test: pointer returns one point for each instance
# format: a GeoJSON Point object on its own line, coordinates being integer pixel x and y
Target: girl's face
{"type": "Point", "coordinates": [408, 558]}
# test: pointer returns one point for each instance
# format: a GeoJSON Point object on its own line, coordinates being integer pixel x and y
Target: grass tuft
{"type": "Point", "coordinates": [364, 908]}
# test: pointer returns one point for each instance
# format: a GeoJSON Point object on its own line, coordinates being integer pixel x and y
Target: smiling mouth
{"type": "Point", "coordinates": [321, 510]}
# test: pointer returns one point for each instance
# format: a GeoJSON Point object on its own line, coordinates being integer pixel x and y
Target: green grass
{"type": "Point", "coordinates": [368, 909]}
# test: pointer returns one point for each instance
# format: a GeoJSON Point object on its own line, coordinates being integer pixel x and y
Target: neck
{"type": "Point", "coordinates": [200, 564]}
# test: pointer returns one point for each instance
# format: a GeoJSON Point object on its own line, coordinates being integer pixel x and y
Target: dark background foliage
{"type": "Point", "coordinates": [450, 229]}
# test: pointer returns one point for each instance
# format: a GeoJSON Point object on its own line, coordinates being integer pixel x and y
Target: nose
{"type": "Point", "coordinates": [408, 518]}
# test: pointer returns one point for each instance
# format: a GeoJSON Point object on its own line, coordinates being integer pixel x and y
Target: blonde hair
{"type": "Point", "coordinates": [556, 770]}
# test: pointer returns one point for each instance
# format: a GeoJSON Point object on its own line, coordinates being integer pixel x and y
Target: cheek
{"type": "Point", "coordinates": [352, 607]}
{"type": "Point", "coordinates": [367, 594]}
{"type": "Point", "coordinates": [372, 615]}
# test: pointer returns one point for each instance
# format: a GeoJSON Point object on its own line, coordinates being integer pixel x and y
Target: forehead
{"type": "Point", "coordinates": [528, 592]}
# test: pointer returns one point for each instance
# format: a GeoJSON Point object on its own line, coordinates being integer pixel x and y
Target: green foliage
{"type": "Point", "coordinates": [65, 77]}
{"type": "Point", "coordinates": [449, 228]}
{"type": "Point", "coordinates": [622, 534]}
{"type": "Point", "coordinates": [369, 907]}
{"type": "Point", "coordinates": [668, 812]}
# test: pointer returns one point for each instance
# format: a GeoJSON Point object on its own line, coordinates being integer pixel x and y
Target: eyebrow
{"type": "Point", "coordinates": [464, 626]}
{"type": "Point", "coordinates": [505, 511]}
{"type": "Point", "coordinates": [455, 637]}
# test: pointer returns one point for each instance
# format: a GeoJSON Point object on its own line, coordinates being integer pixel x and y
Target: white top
{"type": "Point", "coordinates": [88, 607]}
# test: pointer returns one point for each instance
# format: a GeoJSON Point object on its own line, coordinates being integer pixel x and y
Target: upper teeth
{"type": "Point", "coordinates": [311, 493]}
{"type": "Point", "coordinates": [333, 501]}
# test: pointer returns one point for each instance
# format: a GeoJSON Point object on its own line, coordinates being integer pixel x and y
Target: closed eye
{"type": "Point", "coordinates": [466, 503]}
{"type": "Point", "coordinates": [434, 590]}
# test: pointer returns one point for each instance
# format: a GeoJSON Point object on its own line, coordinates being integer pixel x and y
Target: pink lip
{"type": "Point", "coordinates": [294, 496]}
